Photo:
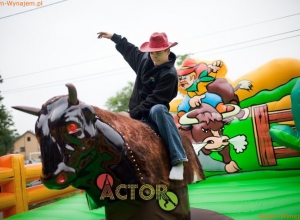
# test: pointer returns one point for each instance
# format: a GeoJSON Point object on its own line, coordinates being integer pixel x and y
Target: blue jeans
{"type": "Point", "coordinates": [162, 122]}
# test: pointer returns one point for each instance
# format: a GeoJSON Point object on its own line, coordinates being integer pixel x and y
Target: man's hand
{"type": "Point", "coordinates": [104, 35]}
{"type": "Point", "coordinates": [126, 114]}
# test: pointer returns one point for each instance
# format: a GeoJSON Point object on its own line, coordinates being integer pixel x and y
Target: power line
{"type": "Point", "coordinates": [32, 9]}
{"type": "Point", "coordinates": [231, 29]}
{"type": "Point", "coordinates": [252, 45]}
{"type": "Point", "coordinates": [59, 84]}
{"type": "Point", "coordinates": [87, 61]}
{"type": "Point", "coordinates": [229, 45]}
{"type": "Point", "coordinates": [56, 82]}
{"type": "Point", "coordinates": [50, 84]}
{"type": "Point", "coordinates": [73, 64]}
{"type": "Point", "coordinates": [64, 66]}
{"type": "Point", "coordinates": [59, 67]}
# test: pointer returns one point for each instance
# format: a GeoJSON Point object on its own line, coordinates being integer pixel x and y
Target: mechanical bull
{"type": "Point", "coordinates": [204, 126]}
{"type": "Point", "coordinates": [79, 143]}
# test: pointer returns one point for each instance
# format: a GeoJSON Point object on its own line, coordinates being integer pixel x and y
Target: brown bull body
{"type": "Point", "coordinates": [80, 142]}
{"type": "Point", "coordinates": [148, 152]}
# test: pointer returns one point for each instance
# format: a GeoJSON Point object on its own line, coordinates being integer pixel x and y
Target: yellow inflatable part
{"type": "Point", "coordinates": [16, 185]}
{"type": "Point", "coordinates": [269, 76]}
{"type": "Point", "coordinates": [284, 103]}
{"type": "Point", "coordinates": [174, 105]}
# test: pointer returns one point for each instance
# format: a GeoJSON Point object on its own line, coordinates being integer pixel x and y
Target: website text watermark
{"type": "Point", "coordinates": [281, 216]}
{"type": "Point", "coordinates": [21, 3]}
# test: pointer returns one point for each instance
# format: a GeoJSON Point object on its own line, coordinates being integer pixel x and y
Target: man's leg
{"type": "Point", "coordinates": [168, 131]}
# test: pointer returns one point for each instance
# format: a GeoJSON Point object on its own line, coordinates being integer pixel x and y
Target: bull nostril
{"type": "Point", "coordinates": [61, 178]}
{"type": "Point", "coordinates": [225, 140]}
{"type": "Point", "coordinates": [210, 142]}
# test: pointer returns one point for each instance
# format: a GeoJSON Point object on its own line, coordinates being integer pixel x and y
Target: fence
{"type": "Point", "coordinates": [15, 197]}
{"type": "Point", "coordinates": [267, 153]}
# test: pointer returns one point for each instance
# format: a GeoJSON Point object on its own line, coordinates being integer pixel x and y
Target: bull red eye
{"type": "Point", "coordinates": [72, 128]}
{"type": "Point", "coordinates": [61, 178]}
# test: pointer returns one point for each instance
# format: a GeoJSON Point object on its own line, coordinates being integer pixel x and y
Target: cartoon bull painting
{"type": "Point", "coordinates": [81, 143]}
{"type": "Point", "coordinates": [205, 126]}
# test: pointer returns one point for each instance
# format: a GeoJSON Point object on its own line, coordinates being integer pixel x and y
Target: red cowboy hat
{"type": "Point", "coordinates": [188, 66]}
{"type": "Point", "coordinates": [158, 42]}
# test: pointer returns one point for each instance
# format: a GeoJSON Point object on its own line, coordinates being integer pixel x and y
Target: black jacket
{"type": "Point", "coordinates": [153, 85]}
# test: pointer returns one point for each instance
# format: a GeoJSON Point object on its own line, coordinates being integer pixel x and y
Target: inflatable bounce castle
{"type": "Point", "coordinates": [242, 140]}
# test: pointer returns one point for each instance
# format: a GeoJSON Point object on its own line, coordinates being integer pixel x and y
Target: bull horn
{"type": "Point", "coordinates": [72, 94]}
{"type": "Point", "coordinates": [184, 120]}
{"type": "Point", "coordinates": [29, 110]}
{"type": "Point", "coordinates": [236, 110]}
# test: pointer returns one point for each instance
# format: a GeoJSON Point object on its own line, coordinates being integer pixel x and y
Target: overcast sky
{"type": "Point", "coordinates": [43, 48]}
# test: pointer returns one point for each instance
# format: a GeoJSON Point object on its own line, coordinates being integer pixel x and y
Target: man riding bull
{"type": "Point", "coordinates": [155, 86]}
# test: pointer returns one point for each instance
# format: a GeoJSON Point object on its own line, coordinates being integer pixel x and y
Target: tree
{"type": "Point", "coordinates": [181, 58]}
{"type": "Point", "coordinates": [7, 134]}
{"type": "Point", "coordinates": [120, 102]}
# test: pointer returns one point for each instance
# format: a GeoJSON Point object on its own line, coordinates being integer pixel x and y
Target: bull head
{"type": "Point", "coordinates": [63, 128]}
{"type": "Point", "coordinates": [205, 125]}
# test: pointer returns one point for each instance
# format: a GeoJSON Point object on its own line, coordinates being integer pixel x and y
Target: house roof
{"type": "Point", "coordinates": [30, 132]}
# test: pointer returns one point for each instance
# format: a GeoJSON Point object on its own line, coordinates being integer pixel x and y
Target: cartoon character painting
{"type": "Point", "coordinates": [204, 126]}
{"type": "Point", "coordinates": [213, 102]}
{"type": "Point", "coordinates": [200, 84]}
{"type": "Point", "coordinates": [254, 111]}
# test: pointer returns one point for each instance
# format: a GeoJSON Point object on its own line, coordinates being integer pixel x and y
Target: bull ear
{"type": "Point", "coordinates": [29, 110]}
{"type": "Point", "coordinates": [72, 94]}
